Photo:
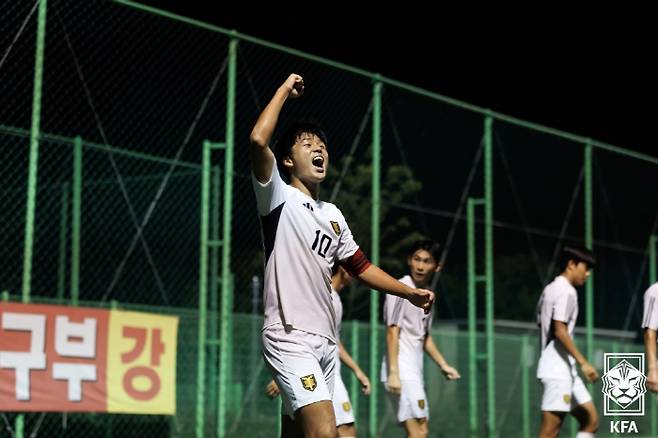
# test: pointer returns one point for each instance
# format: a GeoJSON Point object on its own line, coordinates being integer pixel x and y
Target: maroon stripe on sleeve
{"type": "Point", "coordinates": [356, 264]}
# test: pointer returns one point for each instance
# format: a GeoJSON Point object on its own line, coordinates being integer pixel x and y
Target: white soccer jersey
{"type": "Point", "coordinates": [558, 302]}
{"type": "Point", "coordinates": [414, 327]}
{"type": "Point", "coordinates": [650, 315]}
{"type": "Point", "coordinates": [338, 310]}
{"type": "Point", "coordinates": [302, 238]}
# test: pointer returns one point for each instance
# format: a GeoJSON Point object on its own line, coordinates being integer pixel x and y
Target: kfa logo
{"type": "Point", "coordinates": [623, 426]}
{"type": "Point", "coordinates": [308, 205]}
{"type": "Point", "coordinates": [624, 386]}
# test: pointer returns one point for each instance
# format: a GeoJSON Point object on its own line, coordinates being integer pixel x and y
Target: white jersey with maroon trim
{"type": "Point", "coordinates": [303, 238]}
{"type": "Point", "coordinates": [338, 310]}
{"type": "Point", "coordinates": [650, 315]}
{"type": "Point", "coordinates": [558, 302]}
{"type": "Point", "coordinates": [414, 327]}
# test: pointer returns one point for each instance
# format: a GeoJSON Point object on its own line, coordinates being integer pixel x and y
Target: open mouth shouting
{"type": "Point", "coordinates": [318, 162]}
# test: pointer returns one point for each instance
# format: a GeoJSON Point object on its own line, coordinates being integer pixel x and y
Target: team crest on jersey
{"type": "Point", "coordinates": [421, 404]}
{"type": "Point", "coordinates": [309, 383]}
{"type": "Point", "coordinates": [346, 406]}
{"type": "Point", "coordinates": [566, 398]}
{"type": "Point", "coordinates": [336, 227]}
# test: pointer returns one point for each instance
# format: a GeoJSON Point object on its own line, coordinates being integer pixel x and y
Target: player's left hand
{"type": "Point", "coordinates": [393, 384]}
{"type": "Point", "coordinates": [365, 383]}
{"type": "Point", "coordinates": [272, 390]}
{"type": "Point", "coordinates": [589, 372]}
{"type": "Point", "coordinates": [450, 373]}
{"type": "Point", "coordinates": [422, 298]}
{"type": "Point", "coordinates": [652, 380]}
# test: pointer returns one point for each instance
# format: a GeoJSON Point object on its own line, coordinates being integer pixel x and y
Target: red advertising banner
{"type": "Point", "coordinates": [74, 359]}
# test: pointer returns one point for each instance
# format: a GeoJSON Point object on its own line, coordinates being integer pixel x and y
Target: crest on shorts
{"type": "Point", "coordinates": [309, 383]}
{"type": "Point", "coordinates": [566, 398]}
{"type": "Point", "coordinates": [421, 404]}
{"type": "Point", "coordinates": [336, 227]}
{"type": "Point", "coordinates": [346, 406]}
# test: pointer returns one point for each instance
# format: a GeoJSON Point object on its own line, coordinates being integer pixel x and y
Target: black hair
{"type": "Point", "coordinates": [577, 255]}
{"type": "Point", "coordinates": [428, 245]}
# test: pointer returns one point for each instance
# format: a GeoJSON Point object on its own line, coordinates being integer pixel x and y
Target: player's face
{"type": "Point", "coordinates": [421, 267]}
{"type": "Point", "coordinates": [310, 159]}
{"type": "Point", "coordinates": [580, 273]}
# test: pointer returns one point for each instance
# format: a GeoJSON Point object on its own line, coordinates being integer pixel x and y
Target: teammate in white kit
{"type": "Point", "coordinates": [303, 239]}
{"type": "Point", "coordinates": [343, 408]}
{"type": "Point", "coordinates": [557, 310]}
{"type": "Point", "coordinates": [407, 335]}
{"type": "Point", "coordinates": [342, 404]}
{"type": "Point", "coordinates": [650, 326]}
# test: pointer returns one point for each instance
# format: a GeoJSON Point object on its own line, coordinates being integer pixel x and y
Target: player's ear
{"type": "Point", "coordinates": [438, 267]}
{"type": "Point", "coordinates": [287, 161]}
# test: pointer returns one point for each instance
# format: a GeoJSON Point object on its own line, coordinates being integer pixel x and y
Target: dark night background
{"type": "Point", "coordinates": [592, 75]}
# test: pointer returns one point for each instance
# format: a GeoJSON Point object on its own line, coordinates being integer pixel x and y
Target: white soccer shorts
{"type": "Point", "coordinates": [342, 405]}
{"type": "Point", "coordinates": [412, 401]}
{"type": "Point", "coordinates": [562, 395]}
{"type": "Point", "coordinates": [302, 365]}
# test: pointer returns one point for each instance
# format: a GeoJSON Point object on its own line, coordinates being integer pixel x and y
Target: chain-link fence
{"type": "Point", "coordinates": [129, 94]}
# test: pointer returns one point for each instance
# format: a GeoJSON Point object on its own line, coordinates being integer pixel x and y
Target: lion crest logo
{"type": "Point", "coordinates": [309, 383]}
{"type": "Point", "coordinates": [624, 384]}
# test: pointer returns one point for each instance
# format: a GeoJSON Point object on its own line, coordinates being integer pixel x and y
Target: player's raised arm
{"type": "Point", "coordinates": [262, 157]}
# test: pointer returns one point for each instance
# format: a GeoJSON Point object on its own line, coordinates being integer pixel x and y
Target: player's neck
{"type": "Point", "coordinates": [567, 277]}
{"type": "Point", "coordinates": [309, 189]}
{"type": "Point", "coordinates": [419, 285]}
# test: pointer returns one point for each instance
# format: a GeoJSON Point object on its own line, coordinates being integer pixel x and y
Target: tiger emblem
{"type": "Point", "coordinates": [624, 384]}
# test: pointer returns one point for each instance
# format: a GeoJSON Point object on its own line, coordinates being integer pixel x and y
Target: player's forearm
{"type": "Point", "coordinates": [347, 359]}
{"type": "Point", "coordinates": [650, 347]}
{"type": "Point", "coordinates": [376, 278]}
{"type": "Point", "coordinates": [266, 123]}
{"type": "Point", "coordinates": [433, 352]}
{"type": "Point", "coordinates": [392, 348]}
{"type": "Point", "coordinates": [562, 335]}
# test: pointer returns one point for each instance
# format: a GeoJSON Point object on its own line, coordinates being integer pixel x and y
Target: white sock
{"type": "Point", "coordinates": [585, 435]}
